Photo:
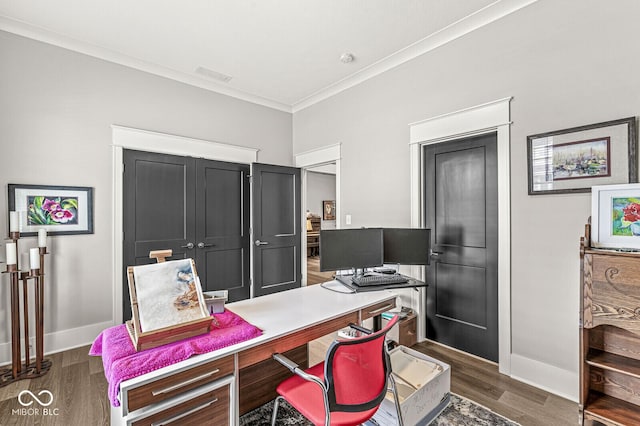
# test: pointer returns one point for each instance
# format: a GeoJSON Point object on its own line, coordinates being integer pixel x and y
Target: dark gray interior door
{"type": "Point", "coordinates": [197, 208]}
{"type": "Point", "coordinates": [158, 205]}
{"type": "Point", "coordinates": [461, 206]}
{"type": "Point", "coordinates": [222, 227]}
{"type": "Point", "coordinates": [276, 228]}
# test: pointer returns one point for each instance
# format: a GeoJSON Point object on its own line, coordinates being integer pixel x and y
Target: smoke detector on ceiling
{"type": "Point", "coordinates": [215, 75]}
{"type": "Point", "coordinates": [347, 57]}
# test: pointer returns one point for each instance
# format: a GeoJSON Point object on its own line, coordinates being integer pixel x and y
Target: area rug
{"type": "Point", "coordinates": [460, 412]}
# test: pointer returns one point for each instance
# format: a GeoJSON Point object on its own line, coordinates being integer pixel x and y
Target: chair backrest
{"type": "Point", "coordinates": [356, 371]}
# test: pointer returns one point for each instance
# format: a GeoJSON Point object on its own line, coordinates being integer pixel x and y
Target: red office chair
{"type": "Point", "coordinates": [345, 389]}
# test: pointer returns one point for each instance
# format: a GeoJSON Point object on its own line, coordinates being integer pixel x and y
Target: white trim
{"type": "Point", "coordinates": [60, 340]}
{"type": "Point", "coordinates": [309, 159]}
{"type": "Point", "coordinates": [488, 117]}
{"type": "Point", "coordinates": [145, 140]}
{"type": "Point", "coordinates": [479, 19]}
{"type": "Point", "coordinates": [550, 378]}
{"type": "Point", "coordinates": [46, 36]}
{"type": "Point", "coordinates": [318, 156]}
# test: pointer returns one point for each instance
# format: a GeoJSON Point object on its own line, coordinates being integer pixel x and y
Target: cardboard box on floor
{"type": "Point", "coordinates": [423, 386]}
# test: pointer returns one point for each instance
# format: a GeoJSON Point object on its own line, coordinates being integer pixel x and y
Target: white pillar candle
{"type": "Point", "coordinates": [14, 223]}
{"type": "Point", "coordinates": [42, 237]}
{"type": "Point", "coordinates": [34, 258]}
{"type": "Point", "coordinates": [11, 254]}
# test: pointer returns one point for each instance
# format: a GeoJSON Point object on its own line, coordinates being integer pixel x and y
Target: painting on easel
{"type": "Point", "coordinates": [168, 294]}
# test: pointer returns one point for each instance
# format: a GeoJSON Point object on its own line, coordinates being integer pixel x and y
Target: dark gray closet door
{"type": "Point", "coordinates": [461, 205]}
{"type": "Point", "coordinates": [197, 208]}
{"type": "Point", "coordinates": [159, 193]}
{"type": "Point", "coordinates": [276, 228]}
{"type": "Point", "coordinates": [222, 227]}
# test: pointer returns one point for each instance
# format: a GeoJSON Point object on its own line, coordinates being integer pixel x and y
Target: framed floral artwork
{"type": "Point", "coordinates": [60, 210]}
{"type": "Point", "coordinates": [575, 159]}
{"type": "Point", "coordinates": [615, 216]}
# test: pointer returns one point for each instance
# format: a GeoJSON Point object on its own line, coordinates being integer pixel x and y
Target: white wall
{"type": "Point", "coordinates": [566, 64]}
{"type": "Point", "coordinates": [56, 112]}
{"type": "Point", "coordinates": [320, 187]}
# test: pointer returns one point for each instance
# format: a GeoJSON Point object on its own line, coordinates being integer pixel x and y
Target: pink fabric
{"type": "Point", "coordinates": [122, 362]}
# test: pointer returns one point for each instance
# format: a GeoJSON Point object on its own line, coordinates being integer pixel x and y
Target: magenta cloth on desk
{"type": "Point", "coordinates": [122, 362]}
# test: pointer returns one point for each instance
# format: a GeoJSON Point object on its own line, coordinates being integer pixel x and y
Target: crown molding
{"type": "Point", "coordinates": [46, 36]}
{"type": "Point", "coordinates": [482, 17]}
{"type": "Point", "coordinates": [478, 19]}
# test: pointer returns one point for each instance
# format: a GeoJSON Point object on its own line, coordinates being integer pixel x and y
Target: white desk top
{"type": "Point", "coordinates": [278, 315]}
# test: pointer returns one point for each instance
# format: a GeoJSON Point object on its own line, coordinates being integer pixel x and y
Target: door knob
{"type": "Point", "coordinates": [435, 253]}
{"type": "Point", "coordinates": [203, 245]}
{"type": "Point", "coordinates": [188, 246]}
{"type": "Point", "coordinates": [261, 243]}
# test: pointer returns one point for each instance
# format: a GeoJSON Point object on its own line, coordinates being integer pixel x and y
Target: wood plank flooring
{"type": "Point", "coordinates": [481, 382]}
{"type": "Point", "coordinates": [79, 390]}
{"type": "Point", "coordinates": [314, 276]}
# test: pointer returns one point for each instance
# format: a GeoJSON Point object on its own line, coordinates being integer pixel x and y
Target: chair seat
{"type": "Point", "coordinates": [307, 398]}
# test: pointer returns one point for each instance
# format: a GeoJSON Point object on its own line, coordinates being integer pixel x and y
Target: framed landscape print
{"type": "Point", "coordinates": [574, 160]}
{"type": "Point", "coordinates": [615, 216]}
{"type": "Point", "coordinates": [60, 210]}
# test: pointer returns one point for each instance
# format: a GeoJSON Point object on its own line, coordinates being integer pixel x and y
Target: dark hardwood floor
{"type": "Point", "coordinates": [79, 390]}
{"type": "Point", "coordinates": [480, 381]}
{"type": "Point", "coordinates": [78, 387]}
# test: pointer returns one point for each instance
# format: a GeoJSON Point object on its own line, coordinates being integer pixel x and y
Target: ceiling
{"type": "Point", "coordinates": [284, 54]}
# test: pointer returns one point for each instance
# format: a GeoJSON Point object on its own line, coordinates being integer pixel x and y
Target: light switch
{"type": "Point", "coordinates": [347, 219]}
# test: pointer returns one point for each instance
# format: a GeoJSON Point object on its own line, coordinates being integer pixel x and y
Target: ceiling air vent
{"type": "Point", "coordinates": [213, 74]}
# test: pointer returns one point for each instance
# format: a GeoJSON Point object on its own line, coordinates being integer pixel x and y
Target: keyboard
{"type": "Point", "coordinates": [373, 280]}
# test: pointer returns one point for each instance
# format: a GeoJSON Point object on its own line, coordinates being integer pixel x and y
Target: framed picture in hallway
{"type": "Point", "coordinates": [329, 210]}
{"type": "Point", "coordinates": [575, 159]}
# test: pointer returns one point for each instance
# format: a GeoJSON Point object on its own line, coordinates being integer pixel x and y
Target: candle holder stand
{"type": "Point", "coordinates": [29, 369]}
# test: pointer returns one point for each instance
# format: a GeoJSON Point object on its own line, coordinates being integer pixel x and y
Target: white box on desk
{"type": "Point", "coordinates": [424, 396]}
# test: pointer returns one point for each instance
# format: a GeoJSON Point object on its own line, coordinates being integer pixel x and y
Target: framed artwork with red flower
{"type": "Point", "coordinates": [61, 210]}
{"type": "Point", "coordinates": [615, 216]}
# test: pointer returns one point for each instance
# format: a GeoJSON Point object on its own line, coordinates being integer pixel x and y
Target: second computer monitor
{"type": "Point", "coordinates": [407, 246]}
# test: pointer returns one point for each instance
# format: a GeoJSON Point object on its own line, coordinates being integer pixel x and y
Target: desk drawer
{"type": "Point", "coordinates": [167, 387]}
{"type": "Point", "coordinates": [377, 309]}
{"type": "Point", "coordinates": [210, 408]}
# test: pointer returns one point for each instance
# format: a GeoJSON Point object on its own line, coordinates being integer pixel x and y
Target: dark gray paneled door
{"type": "Point", "coordinates": [461, 208]}
{"type": "Point", "coordinates": [276, 228]}
{"type": "Point", "coordinates": [197, 208]}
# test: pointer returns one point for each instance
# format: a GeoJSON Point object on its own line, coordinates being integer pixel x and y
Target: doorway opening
{"type": "Point", "coordinates": [320, 215]}
{"type": "Point", "coordinates": [324, 160]}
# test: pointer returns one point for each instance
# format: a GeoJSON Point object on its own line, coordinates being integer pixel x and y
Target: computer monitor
{"type": "Point", "coordinates": [407, 246]}
{"type": "Point", "coordinates": [350, 248]}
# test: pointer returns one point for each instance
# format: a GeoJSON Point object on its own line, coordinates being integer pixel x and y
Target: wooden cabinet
{"type": "Point", "coordinates": [610, 337]}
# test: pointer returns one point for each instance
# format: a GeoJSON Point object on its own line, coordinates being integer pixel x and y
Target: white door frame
{"type": "Point", "coordinates": [307, 160]}
{"type": "Point", "coordinates": [144, 140]}
{"type": "Point", "coordinates": [486, 118]}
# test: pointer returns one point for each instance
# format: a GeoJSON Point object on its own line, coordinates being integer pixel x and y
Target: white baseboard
{"type": "Point", "coordinates": [552, 379]}
{"type": "Point", "coordinates": [59, 341]}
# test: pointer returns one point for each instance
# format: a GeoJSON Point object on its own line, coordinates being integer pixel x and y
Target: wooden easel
{"type": "Point", "coordinates": [147, 340]}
